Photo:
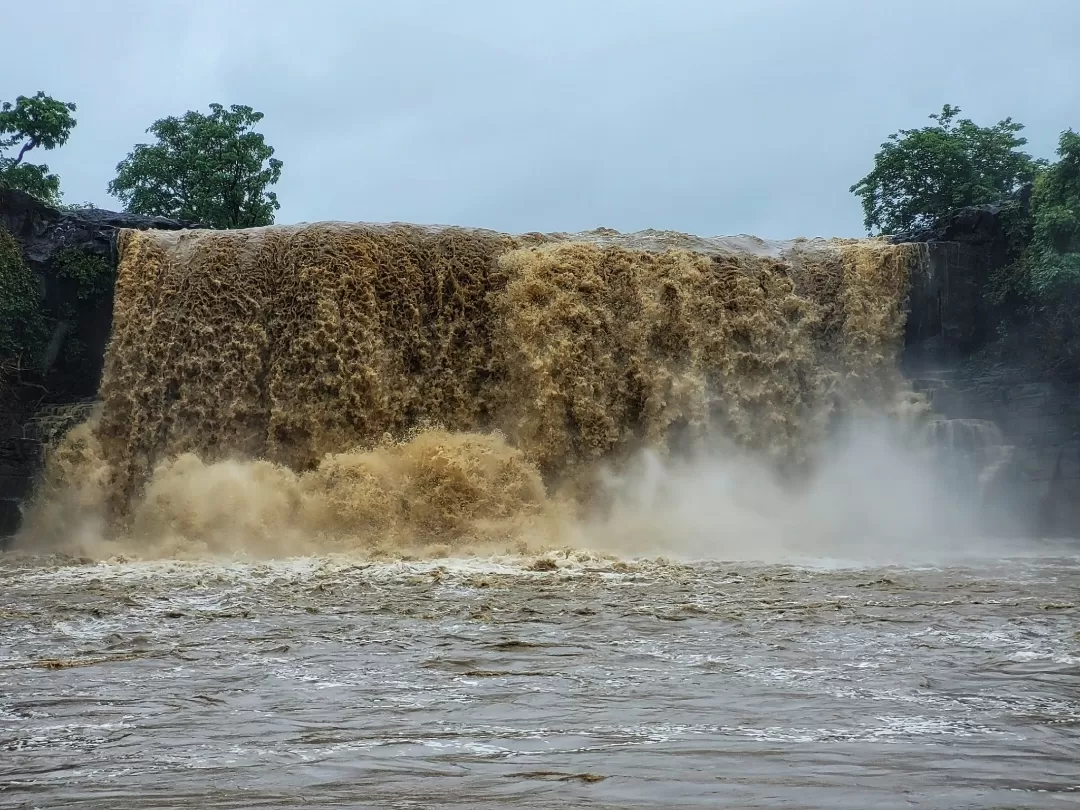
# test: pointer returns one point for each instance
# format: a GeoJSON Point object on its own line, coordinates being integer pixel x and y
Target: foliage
{"type": "Point", "coordinates": [1056, 201]}
{"type": "Point", "coordinates": [83, 206]}
{"type": "Point", "coordinates": [920, 175]}
{"type": "Point", "coordinates": [1050, 269]}
{"type": "Point", "coordinates": [1038, 294]}
{"type": "Point", "coordinates": [210, 168]}
{"type": "Point", "coordinates": [1004, 291]}
{"type": "Point", "coordinates": [30, 123]}
{"type": "Point", "coordinates": [21, 324]}
{"type": "Point", "coordinates": [93, 275]}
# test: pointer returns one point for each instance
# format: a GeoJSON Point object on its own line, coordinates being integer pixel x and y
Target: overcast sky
{"type": "Point", "coordinates": [707, 116]}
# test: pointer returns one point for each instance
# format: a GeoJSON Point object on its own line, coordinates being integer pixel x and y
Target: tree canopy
{"type": "Point", "coordinates": [921, 174]}
{"type": "Point", "coordinates": [1056, 201]}
{"type": "Point", "coordinates": [33, 122]}
{"type": "Point", "coordinates": [1046, 278]}
{"type": "Point", "coordinates": [211, 168]}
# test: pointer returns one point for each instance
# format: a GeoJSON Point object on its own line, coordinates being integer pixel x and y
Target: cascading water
{"type": "Point", "coordinates": [972, 453]}
{"type": "Point", "coordinates": [364, 386]}
{"type": "Point", "coordinates": [386, 516]}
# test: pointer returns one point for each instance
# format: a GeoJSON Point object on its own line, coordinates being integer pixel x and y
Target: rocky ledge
{"type": "Point", "coordinates": [43, 231]}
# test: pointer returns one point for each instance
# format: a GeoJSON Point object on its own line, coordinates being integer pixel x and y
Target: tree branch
{"type": "Point", "coordinates": [30, 144]}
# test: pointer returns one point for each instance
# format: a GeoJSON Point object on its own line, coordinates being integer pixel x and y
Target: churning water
{"type": "Point", "coordinates": [565, 680]}
{"type": "Point", "coordinates": [311, 552]}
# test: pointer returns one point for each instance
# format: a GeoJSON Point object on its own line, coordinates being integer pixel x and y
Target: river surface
{"type": "Point", "coordinates": [562, 681]}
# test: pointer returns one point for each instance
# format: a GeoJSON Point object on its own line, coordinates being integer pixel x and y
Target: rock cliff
{"type": "Point", "coordinates": [77, 321]}
{"type": "Point", "coordinates": [1033, 414]}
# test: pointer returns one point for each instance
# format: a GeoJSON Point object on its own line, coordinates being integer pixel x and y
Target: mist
{"type": "Point", "coordinates": [879, 492]}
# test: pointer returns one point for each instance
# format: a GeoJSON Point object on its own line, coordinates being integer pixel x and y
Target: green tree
{"type": "Point", "coordinates": [211, 168]}
{"type": "Point", "coordinates": [921, 174]}
{"type": "Point", "coordinates": [1047, 276]}
{"type": "Point", "coordinates": [1055, 202]}
{"type": "Point", "coordinates": [32, 122]}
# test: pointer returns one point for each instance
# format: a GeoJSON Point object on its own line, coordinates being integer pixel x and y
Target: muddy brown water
{"type": "Point", "coordinates": [574, 681]}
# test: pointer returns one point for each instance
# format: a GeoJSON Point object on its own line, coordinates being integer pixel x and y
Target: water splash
{"type": "Point", "coordinates": [383, 387]}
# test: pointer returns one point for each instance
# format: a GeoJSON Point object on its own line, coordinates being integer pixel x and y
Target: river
{"type": "Point", "coordinates": [569, 680]}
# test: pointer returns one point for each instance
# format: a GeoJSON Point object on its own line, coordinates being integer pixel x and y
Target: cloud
{"type": "Point", "coordinates": [711, 117]}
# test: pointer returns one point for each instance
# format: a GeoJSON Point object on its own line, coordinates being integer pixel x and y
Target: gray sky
{"type": "Point", "coordinates": [707, 116]}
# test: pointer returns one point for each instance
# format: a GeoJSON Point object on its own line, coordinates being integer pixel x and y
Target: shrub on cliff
{"type": "Point", "coordinates": [30, 123]}
{"type": "Point", "coordinates": [211, 168]}
{"type": "Point", "coordinates": [1046, 278]}
{"type": "Point", "coordinates": [21, 326]}
{"type": "Point", "coordinates": [920, 175]}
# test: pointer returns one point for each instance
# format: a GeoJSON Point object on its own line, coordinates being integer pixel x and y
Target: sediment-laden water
{"type": "Point", "coordinates": [310, 551]}
{"type": "Point", "coordinates": [567, 680]}
{"type": "Point", "coordinates": [401, 385]}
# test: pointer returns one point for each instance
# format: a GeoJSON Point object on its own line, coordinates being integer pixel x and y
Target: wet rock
{"type": "Point", "coordinates": [63, 377]}
{"type": "Point", "coordinates": [949, 313]}
{"type": "Point", "coordinates": [44, 231]}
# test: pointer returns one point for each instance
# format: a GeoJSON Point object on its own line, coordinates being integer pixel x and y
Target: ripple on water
{"type": "Point", "coordinates": [338, 679]}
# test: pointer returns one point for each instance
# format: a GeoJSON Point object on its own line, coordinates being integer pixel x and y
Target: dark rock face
{"type": "Point", "coordinates": [44, 233]}
{"type": "Point", "coordinates": [949, 320]}
{"type": "Point", "coordinates": [950, 316]}
{"type": "Point", "coordinates": [1038, 491]}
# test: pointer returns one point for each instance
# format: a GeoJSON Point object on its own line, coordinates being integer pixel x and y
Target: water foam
{"type": "Point", "coordinates": [404, 390]}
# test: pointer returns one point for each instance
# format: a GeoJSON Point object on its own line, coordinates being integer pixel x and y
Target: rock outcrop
{"type": "Point", "coordinates": [78, 327]}
{"type": "Point", "coordinates": [43, 231]}
{"type": "Point", "coordinates": [950, 320]}
{"type": "Point", "coordinates": [975, 225]}
{"type": "Point", "coordinates": [950, 317]}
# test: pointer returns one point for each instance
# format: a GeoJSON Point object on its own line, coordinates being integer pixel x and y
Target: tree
{"type": "Point", "coordinates": [921, 174]}
{"type": "Point", "coordinates": [1036, 296]}
{"type": "Point", "coordinates": [30, 123]}
{"type": "Point", "coordinates": [210, 168]}
{"type": "Point", "coordinates": [1048, 274]}
{"type": "Point", "coordinates": [1055, 202]}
